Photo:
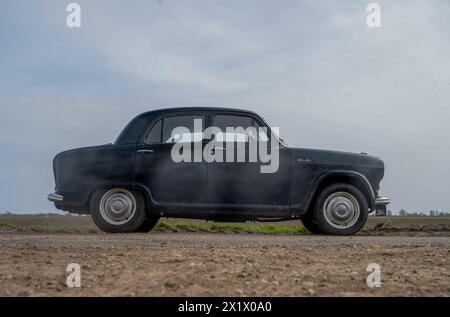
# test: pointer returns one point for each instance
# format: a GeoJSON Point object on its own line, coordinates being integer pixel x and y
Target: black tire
{"type": "Point", "coordinates": [310, 225]}
{"type": "Point", "coordinates": [339, 200]}
{"type": "Point", "coordinates": [148, 224]}
{"type": "Point", "coordinates": [100, 216]}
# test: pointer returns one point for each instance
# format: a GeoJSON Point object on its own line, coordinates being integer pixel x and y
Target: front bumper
{"type": "Point", "coordinates": [381, 206]}
{"type": "Point", "coordinates": [54, 197]}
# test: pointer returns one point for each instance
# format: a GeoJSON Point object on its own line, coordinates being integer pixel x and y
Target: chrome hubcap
{"type": "Point", "coordinates": [341, 210]}
{"type": "Point", "coordinates": [117, 206]}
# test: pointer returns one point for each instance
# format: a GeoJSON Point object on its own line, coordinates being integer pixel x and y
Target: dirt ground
{"type": "Point", "coordinates": [413, 263]}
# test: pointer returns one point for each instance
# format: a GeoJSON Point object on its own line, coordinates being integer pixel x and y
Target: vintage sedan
{"type": "Point", "coordinates": [128, 185]}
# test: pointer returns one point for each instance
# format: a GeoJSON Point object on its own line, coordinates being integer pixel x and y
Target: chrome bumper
{"type": "Point", "coordinates": [380, 206]}
{"type": "Point", "coordinates": [53, 197]}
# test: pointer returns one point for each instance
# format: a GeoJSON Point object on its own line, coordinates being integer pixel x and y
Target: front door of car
{"type": "Point", "coordinates": [234, 184]}
{"type": "Point", "coordinates": [171, 182]}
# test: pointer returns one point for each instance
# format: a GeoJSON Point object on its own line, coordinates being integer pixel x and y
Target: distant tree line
{"type": "Point", "coordinates": [431, 213]}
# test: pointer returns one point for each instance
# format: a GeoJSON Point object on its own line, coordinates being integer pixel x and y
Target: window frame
{"type": "Point", "coordinates": [256, 119]}
{"type": "Point", "coordinates": [152, 125]}
{"type": "Point", "coordinates": [161, 117]}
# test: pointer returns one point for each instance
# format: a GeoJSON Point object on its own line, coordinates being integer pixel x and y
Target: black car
{"type": "Point", "coordinates": [128, 185]}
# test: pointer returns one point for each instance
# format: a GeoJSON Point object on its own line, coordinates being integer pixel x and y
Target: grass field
{"type": "Point", "coordinates": [84, 224]}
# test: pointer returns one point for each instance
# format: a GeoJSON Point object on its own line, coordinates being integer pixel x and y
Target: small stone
{"type": "Point", "coordinates": [170, 284]}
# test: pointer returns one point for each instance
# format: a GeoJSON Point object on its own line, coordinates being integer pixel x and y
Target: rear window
{"type": "Point", "coordinates": [162, 130]}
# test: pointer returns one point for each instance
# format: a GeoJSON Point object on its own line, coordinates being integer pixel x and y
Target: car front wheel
{"type": "Point", "coordinates": [340, 209]}
{"type": "Point", "coordinates": [118, 210]}
{"type": "Point", "coordinates": [310, 225]}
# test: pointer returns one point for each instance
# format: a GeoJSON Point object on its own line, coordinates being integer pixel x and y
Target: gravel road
{"type": "Point", "coordinates": [215, 239]}
{"type": "Point", "coordinates": [210, 264]}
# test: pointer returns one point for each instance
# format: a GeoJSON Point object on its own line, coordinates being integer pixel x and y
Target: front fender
{"type": "Point", "coordinates": [346, 176]}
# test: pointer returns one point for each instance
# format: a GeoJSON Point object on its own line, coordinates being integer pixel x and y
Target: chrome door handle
{"type": "Point", "coordinates": [214, 148]}
{"type": "Point", "coordinates": [145, 151]}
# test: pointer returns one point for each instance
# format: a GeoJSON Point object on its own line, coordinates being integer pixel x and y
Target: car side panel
{"type": "Point", "coordinates": [79, 172]}
{"type": "Point", "coordinates": [309, 167]}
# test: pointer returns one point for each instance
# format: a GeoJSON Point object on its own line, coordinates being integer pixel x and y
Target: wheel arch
{"type": "Point", "coordinates": [348, 177]}
{"type": "Point", "coordinates": [130, 186]}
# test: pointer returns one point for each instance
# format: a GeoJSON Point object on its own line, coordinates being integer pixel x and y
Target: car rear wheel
{"type": "Point", "coordinates": [118, 210]}
{"type": "Point", "coordinates": [148, 224]}
{"type": "Point", "coordinates": [340, 209]}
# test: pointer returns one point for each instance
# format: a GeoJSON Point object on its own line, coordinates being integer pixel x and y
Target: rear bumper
{"type": "Point", "coordinates": [54, 197]}
{"type": "Point", "coordinates": [74, 202]}
{"type": "Point", "coordinates": [381, 206]}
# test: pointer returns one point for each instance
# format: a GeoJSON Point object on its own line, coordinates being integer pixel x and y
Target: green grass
{"type": "Point", "coordinates": [61, 229]}
{"type": "Point", "coordinates": [47, 228]}
{"type": "Point", "coordinates": [72, 224]}
{"type": "Point", "coordinates": [9, 226]}
{"type": "Point", "coordinates": [224, 227]}
{"type": "Point", "coordinates": [162, 226]}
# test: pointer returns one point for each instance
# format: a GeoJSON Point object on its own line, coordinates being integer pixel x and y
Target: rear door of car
{"type": "Point", "coordinates": [172, 183]}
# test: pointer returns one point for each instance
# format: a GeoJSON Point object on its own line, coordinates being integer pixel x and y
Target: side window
{"type": "Point", "coordinates": [241, 125]}
{"type": "Point", "coordinates": [171, 123]}
{"type": "Point", "coordinates": [154, 136]}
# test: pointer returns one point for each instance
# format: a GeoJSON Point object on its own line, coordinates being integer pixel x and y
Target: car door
{"type": "Point", "coordinates": [170, 182]}
{"type": "Point", "coordinates": [243, 185]}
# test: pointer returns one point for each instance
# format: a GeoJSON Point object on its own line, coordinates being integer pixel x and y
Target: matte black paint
{"type": "Point", "coordinates": [217, 191]}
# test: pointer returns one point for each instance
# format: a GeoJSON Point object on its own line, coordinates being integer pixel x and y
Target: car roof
{"type": "Point", "coordinates": [192, 109]}
{"type": "Point", "coordinates": [133, 130]}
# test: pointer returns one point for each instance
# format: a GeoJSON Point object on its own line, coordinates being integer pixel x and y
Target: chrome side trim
{"type": "Point", "coordinates": [144, 151]}
{"type": "Point", "coordinates": [365, 180]}
{"type": "Point", "coordinates": [53, 197]}
{"type": "Point", "coordinates": [351, 173]}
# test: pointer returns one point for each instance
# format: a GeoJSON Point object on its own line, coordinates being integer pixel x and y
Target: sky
{"type": "Point", "coordinates": [312, 68]}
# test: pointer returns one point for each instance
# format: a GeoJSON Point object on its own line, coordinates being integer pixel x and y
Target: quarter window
{"type": "Point", "coordinates": [154, 136]}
